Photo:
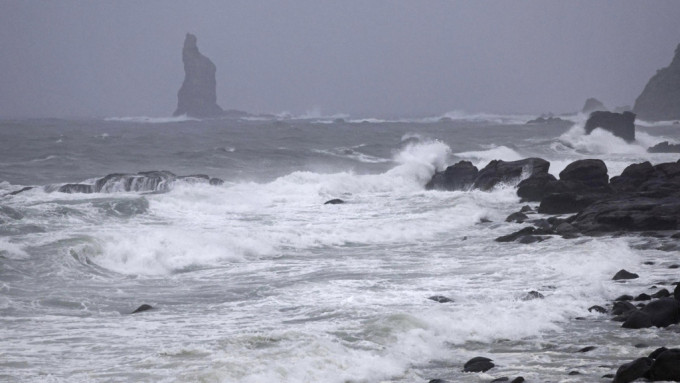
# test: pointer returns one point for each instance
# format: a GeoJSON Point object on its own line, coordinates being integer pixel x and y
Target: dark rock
{"type": "Point", "coordinates": [216, 181]}
{"type": "Point", "coordinates": [518, 379]}
{"type": "Point", "coordinates": [666, 366]}
{"type": "Point", "coordinates": [664, 147]}
{"type": "Point", "coordinates": [641, 345]}
{"type": "Point", "coordinates": [663, 312]}
{"type": "Point", "coordinates": [564, 203]}
{"type": "Point", "coordinates": [478, 364]}
{"type": "Point", "coordinates": [607, 376]}
{"type": "Point", "coordinates": [460, 176]}
{"type": "Point", "coordinates": [566, 229]}
{"type": "Point", "coordinates": [501, 379]}
{"type": "Point", "coordinates": [676, 292]}
{"type": "Point", "coordinates": [547, 120]}
{"type": "Point", "coordinates": [142, 308]}
{"type": "Point", "coordinates": [526, 209]}
{"type": "Point", "coordinates": [643, 297]}
{"type": "Point", "coordinates": [633, 176]}
{"type": "Point", "coordinates": [532, 295]}
{"type": "Point", "coordinates": [663, 293]}
{"type": "Point", "coordinates": [574, 373]}
{"type": "Point", "coordinates": [586, 174]}
{"type": "Point", "coordinates": [514, 236]}
{"type": "Point", "coordinates": [440, 299]}
{"type": "Point", "coordinates": [438, 381]}
{"type": "Point", "coordinates": [586, 349]}
{"type": "Point", "coordinates": [619, 124]}
{"type": "Point", "coordinates": [536, 187]}
{"type": "Point", "coordinates": [23, 189]}
{"type": "Point", "coordinates": [630, 213]}
{"type": "Point", "coordinates": [623, 274]}
{"type": "Point", "coordinates": [517, 217]}
{"type": "Point", "coordinates": [592, 105]}
{"type": "Point", "coordinates": [648, 263]}
{"type": "Point", "coordinates": [528, 239]}
{"type": "Point", "coordinates": [622, 308]}
{"type": "Point", "coordinates": [198, 95]}
{"type": "Point", "coordinates": [498, 171]}
{"type": "Point", "coordinates": [674, 266]}
{"type": "Point", "coordinates": [638, 319]}
{"type": "Point", "coordinates": [76, 188]}
{"type": "Point", "coordinates": [660, 100]}
{"type": "Point", "coordinates": [655, 354]}
{"type": "Point", "coordinates": [630, 371]}
{"type": "Point", "coordinates": [335, 201]}
{"type": "Point", "coordinates": [598, 309]}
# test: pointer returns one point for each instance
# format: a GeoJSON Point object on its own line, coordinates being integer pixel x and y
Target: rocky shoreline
{"type": "Point", "coordinates": [584, 201]}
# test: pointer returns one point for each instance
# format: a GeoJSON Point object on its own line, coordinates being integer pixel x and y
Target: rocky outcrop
{"type": "Point", "coordinates": [660, 100]}
{"type": "Point", "coordinates": [198, 95]}
{"type": "Point", "coordinates": [592, 105]}
{"type": "Point", "coordinates": [664, 147]}
{"type": "Point", "coordinates": [463, 175]}
{"type": "Point", "coordinates": [619, 124]}
{"type": "Point", "coordinates": [152, 181]}
{"type": "Point", "coordinates": [459, 176]}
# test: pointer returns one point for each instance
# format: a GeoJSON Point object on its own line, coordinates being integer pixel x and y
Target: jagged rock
{"type": "Point", "coordinates": [592, 105]}
{"type": "Point", "coordinates": [664, 147]}
{"type": "Point", "coordinates": [660, 100]}
{"type": "Point", "coordinates": [198, 95]}
{"type": "Point", "coordinates": [498, 171]}
{"type": "Point", "coordinates": [624, 274]}
{"type": "Point", "coordinates": [619, 124]}
{"type": "Point", "coordinates": [459, 176]}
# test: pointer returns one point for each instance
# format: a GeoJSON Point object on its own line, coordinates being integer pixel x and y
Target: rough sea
{"type": "Point", "coordinates": [257, 280]}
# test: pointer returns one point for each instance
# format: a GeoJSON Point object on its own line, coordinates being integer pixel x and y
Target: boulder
{"type": "Point", "coordinates": [142, 308]}
{"type": "Point", "coordinates": [459, 176]}
{"type": "Point", "coordinates": [632, 177]}
{"type": "Point", "coordinates": [498, 171]}
{"type": "Point", "coordinates": [642, 212]}
{"type": "Point", "coordinates": [536, 187]}
{"type": "Point", "coordinates": [666, 366]}
{"type": "Point", "coordinates": [619, 124]}
{"type": "Point", "coordinates": [663, 312]}
{"type": "Point", "coordinates": [198, 95]}
{"type": "Point", "coordinates": [517, 217]}
{"type": "Point", "coordinates": [587, 174]}
{"type": "Point", "coordinates": [624, 274]}
{"type": "Point", "coordinates": [638, 319]}
{"type": "Point", "coordinates": [478, 364]}
{"type": "Point", "coordinates": [660, 99]}
{"type": "Point", "coordinates": [631, 371]}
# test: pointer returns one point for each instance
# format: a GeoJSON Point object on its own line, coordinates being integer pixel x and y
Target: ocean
{"type": "Point", "coordinates": [257, 280]}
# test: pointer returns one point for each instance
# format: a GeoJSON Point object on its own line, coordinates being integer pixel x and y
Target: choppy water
{"type": "Point", "coordinates": [257, 281]}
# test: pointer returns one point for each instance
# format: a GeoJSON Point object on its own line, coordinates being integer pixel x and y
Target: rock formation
{"type": "Point", "coordinates": [593, 105]}
{"type": "Point", "coordinates": [619, 124]}
{"type": "Point", "coordinates": [197, 97]}
{"type": "Point", "coordinates": [660, 100]}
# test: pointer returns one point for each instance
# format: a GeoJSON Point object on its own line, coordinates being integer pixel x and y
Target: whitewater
{"type": "Point", "coordinates": [257, 280]}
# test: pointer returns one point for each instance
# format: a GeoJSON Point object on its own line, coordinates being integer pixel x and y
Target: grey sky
{"type": "Point", "coordinates": [364, 58]}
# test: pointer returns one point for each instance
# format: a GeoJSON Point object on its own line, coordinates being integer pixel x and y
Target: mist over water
{"type": "Point", "coordinates": [257, 280]}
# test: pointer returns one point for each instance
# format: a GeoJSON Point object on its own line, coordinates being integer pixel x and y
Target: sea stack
{"type": "Point", "coordinates": [198, 96]}
{"type": "Point", "coordinates": [660, 100]}
{"type": "Point", "coordinates": [593, 105]}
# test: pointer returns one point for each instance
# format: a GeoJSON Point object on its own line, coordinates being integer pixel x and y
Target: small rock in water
{"type": "Point", "coordinates": [336, 201]}
{"type": "Point", "coordinates": [478, 364]}
{"type": "Point", "coordinates": [526, 209]}
{"type": "Point", "coordinates": [648, 263]}
{"type": "Point", "coordinates": [574, 373]}
{"type": "Point", "coordinates": [675, 266]}
{"type": "Point", "coordinates": [501, 379]}
{"type": "Point", "coordinates": [519, 379]}
{"type": "Point", "coordinates": [141, 308]}
{"type": "Point", "coordinates": [440, 299]}
{"type": "Point", "coordinates": [532, 295]}
{"type": "Point", "coordinates": [437, 381]}
{"type": "Point", "coordinates": [624, 298]}
{"type": "Point", "coordinates": [598, 309]}
{"type": "Point", "coordinates": [517, 217]}
{"type": "Point", "coordinates": [623, 274]}
{"type": "Point", "coordinates": [643, 297]}
{"type": "Point", "coordinates": [586, 349]}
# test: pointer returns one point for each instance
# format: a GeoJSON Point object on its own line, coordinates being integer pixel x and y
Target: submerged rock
{"type": "Point", "coordinates": [142, 308]}
{"type": "Point", "coordinates": [335, 201]}
{"type": "Point", "coordinates": [198, 95]}
{"type": "Point", "coordinates": [478, 364]}
{"type": "Point", "coordinates": [660, 100]}
{"type": "Point", "coordinates": [619, 124]}
{"type": "Point", "coordinates": [440, 299]}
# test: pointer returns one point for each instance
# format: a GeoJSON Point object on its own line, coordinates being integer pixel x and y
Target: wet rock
{"type": "Point", "coordinates": [566, 228]}
{"type": "Point", "coordinates": [216, 181]}
{"type": "Point", "coordinates": [676, 292]}
{"type": "Point", "coordinates": [528, 239]}
{"type": "Point", "coordinates": [438, 381]}
{"type": "Point", "coordinates": [674, 266]}
{"type": "Point", "coordinates": [514, 236]}
{"type": "Point", "coordinates": [478, 364]}
{"type": "Point", "coordinates": [598, 309]}
{"type": "Point", "coordinates": [6, 211]}
{"type": "Point", "coordinates": [663, 312]}
{"type": "Point", "coordinates": [643, 297]}
{"type": "Point", "coordinates": [586, 349]}
{"type": "Point", "coordinates": [663, 293]}
{"type": "Point", "coordinates": [638, 319]}
{"type": "Point", "coordinates": [142, 308]}
{"type": "Point", "coordinates": [624, 274]}
{"type": "Point", "coordinates": [536, 187]}
{"type": "Point", "coordinates": [664, 147]}
{"type": "Point", "coordinates": [571, 373]}
{"type": "Point", "coordinates": [460, 176]}
{"type": "Point", "coordinates": [498, 171]}
{"type": "Point", "coordinates": [634, 370]}
{"type": "Point", "coordinates": [657, 352]}
{"type": "Point", "coordinates": [526, 209]}
{"type": "Point", "coordinates": [619, 124]}
{"type": "Point", "coordinates": [76, 188]}
{"type": "Point", "coordinates": [531, 295]}
{"type": "Point", "coordinates": [335, 201]}
{"type": "Point", "coordinates": [666, 366]}
{"type": "Point", "coordinates": [23, 189]}
{"type": "Point", "coordinates": [518, 379]}
{"type": "Point", "coordinates": [622, 308]}
{"type": "Point", "coordinates": [517, 217]}
{"type": "Point", "coordinates": [440, 299]}
{"type": "Point", "coordinates": [501, 379]}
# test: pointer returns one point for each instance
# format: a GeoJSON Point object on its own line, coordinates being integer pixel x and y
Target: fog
{"type": "Point", "coordinates": [362, 58]}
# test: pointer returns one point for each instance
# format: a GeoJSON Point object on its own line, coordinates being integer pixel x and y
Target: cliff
{"type": "Point", "coordinates": [660, 100]}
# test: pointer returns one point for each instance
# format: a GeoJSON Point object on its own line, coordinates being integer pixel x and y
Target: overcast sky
{"type": "Point", "coordinates": [363, 58]}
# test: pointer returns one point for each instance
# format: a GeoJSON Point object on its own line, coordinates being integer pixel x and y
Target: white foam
{"type": "Point", "coordinates": [11, 250]}
{"type": "Point", "coordinates": [482, 157]}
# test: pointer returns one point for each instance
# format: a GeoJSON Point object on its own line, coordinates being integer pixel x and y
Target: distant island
{"type": "Point", "coordinates": [660, 100]}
